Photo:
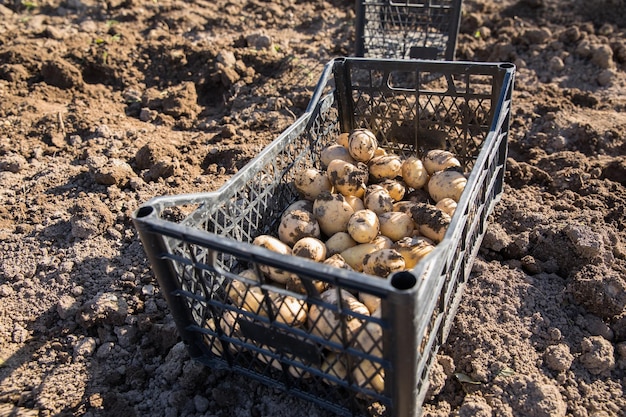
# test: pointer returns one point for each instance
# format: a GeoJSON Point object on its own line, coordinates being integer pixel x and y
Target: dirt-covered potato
{"type": "Point", "coordinates": [332, 213]}
{"type": "Point", "coordinates": [311, 182]}
{"type": "Point", "coordinates": [306, 205]}
{"type": "Point", "coordinates": [325, 322]}
{"type": "Point", "coordinates": [310, 248]}
{"type": "Point", "coordinates": [354, 255]}
{"type": "Point", "coordinates": [362, 144]}
{"type": "Point", "coordinates": [446, 184]}
{"type": "Point", "coordinates": [347, 178]}
{"type": "Point", "coordinates": [396, 225]}
{"type": "Point", "coordinates": [337, 261]}
{"type": "Point", "coordinates": [439, 159]}
{"type": "Point", "coordinates": [431, 221]}
{"type": "Point", "coordinates": [379, 201]}
{"type": "Point", "coordinates": [295, 284]}
{"type": "Point", "coordinates": [275, 245]}
{"type": "Point", "coordinates": [339, 242]}
{"type": "Point", "coordinates": [296, 225]}
{"type": "Point", "coordinates": [413, 172]}
{"type": "Point", "coordinates": [447, 205]}
{"type": "Point", "coordinates": [383, 262]}
{"type": "Point", "coordinates": [395, 188]}
{"type": "Point", "coordinates": [384, 167]}
{"type": "Point", "coordinates": [333, 152]}
{"type": "Point", "coordinates": [363, 226]}
{"type": "Point", "coordinates": [413, 249]}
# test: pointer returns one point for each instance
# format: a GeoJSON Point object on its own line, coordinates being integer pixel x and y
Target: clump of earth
{"type": "Point", "coordinates": [108, 104]}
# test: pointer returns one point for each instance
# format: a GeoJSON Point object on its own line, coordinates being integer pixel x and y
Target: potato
{"type": "Point", "coordinates": [396, 225]}
{"type": "Point", "coordinates": [363, 226]}
{"type": "Point", "coordinates": [355, 202]}
{"type": "Point", "coordinates": [370, 301]}
{"type": "Point", "coordinates": [296, 225]}
{"type": "Point", "coordinates": [326, 323]}
{"type": "Point", "coordinates": [362, 144]}
{"type": "Point", "coordinates": [306, 205]}
{"type": "Point", "coordinates": [384, 167]}
{"type": "Point", "coordinates": [419, 195]}
{"type": "Point", "coordinates": [237, 289]}
{"type": "Point", "coordinates": [395, 188]}
{"type": "Point", "coordinates": [370, 374]}
{"type": "Point", "coordinates": [335, 367]}
{"type": "Point", "coordinates": [354, 255]}
{"type": "Point", "coordinates": [339, 242]}
{"type": "Point", "coordinates": [295, 284]}
{"type": "Point", "coordinates": [382, 242]}
{"type": "Point", "coordinates": [383, 262]}
{"type": "Point", "coordinates": [337, 261]}
{"type": "Point", "coordinates": [439, 159]}
{"type": "Point", "coordinates": [379, 201]}
{"type": "Point", "coordinates": [446, 184]}
{"type": "Point", "coordinates": [343, 140]}
{"type": "Point", "coordinates": [333, 152]}
{"type": "Point", "coordinates": [447, 205]}
{"type": "Point", "coordinates": [285, 308]}
{"type": "Point", "coordinates": [311, 182]}
{"type": "Point", "coordinates": [347, 178]}
{"type": "Point", "coordinates": [413, 249]}
{"type": "Point", "coordinates": [310, 248]}
{"type": "Point", "coordinates": [413, 172]}
{"type": "Point", "coordinates": [431, 221]}
{"type": "Point", "coordinates": [332, 213]}
{"type": "Point", "coordinates": [275, 245]}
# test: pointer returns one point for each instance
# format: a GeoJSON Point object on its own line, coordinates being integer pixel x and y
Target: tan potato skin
{"type": "Point", "coordinates": [333, 152]}
{"type": "Point", "coordinates": [363, 226]}
{"type": "Point", "coordinates": [384, 167]}
{"type": "Point", "coordinates": [311, 182]}
{"type": "Point", "coordinates": [332, 213]}
{"type": "Point", "coordinates": [446, 184]}
{"type": "Point", "coordinates": [339, 242]}
{"type": "Point", "coordinates": [275, 245]}
{"type": "Point", "coordinates": [354, 255]}
{"type": "Point", "coordinates": [396, 225]}
{"type": "Point", "coordinates": [414, 173]}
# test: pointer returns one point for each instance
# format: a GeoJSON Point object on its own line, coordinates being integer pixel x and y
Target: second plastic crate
{"type": "Point", "coordinates": [418, 29]}
{"type": "Point", "coordinates": [199, 245]}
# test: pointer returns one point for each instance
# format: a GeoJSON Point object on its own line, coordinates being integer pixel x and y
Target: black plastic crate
{"type": "Point", "coordinates": [417, 29]}
{"type": "Point", "coordinates": [199, 244]}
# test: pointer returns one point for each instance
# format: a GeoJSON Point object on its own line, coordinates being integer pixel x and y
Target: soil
{"type": "Point", "coordinates": [106, 104]}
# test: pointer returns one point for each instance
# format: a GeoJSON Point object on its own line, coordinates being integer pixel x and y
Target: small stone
{"type": "Point", "coordinates": [200, 403]}
{"type": "Point", "coordinates": [6, 290]}
{"type": "Point", "coordinates": [67, 306]}
{"type": "Point", "coordinates": [259, 41]}
{"type": "Point", "coordinates": [227, 58]}
{"type": "Point", "coordinates": [556, 64]}
{"type": "Point", "coordinates": [85, 348]}
{"type": "Point", "coordinates": [602, 56]}
{"type": "Point", "coordinates": [605, 78]}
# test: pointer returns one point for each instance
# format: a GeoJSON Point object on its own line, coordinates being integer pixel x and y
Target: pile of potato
{"type": "Point", "coordinates": [369, 211]}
